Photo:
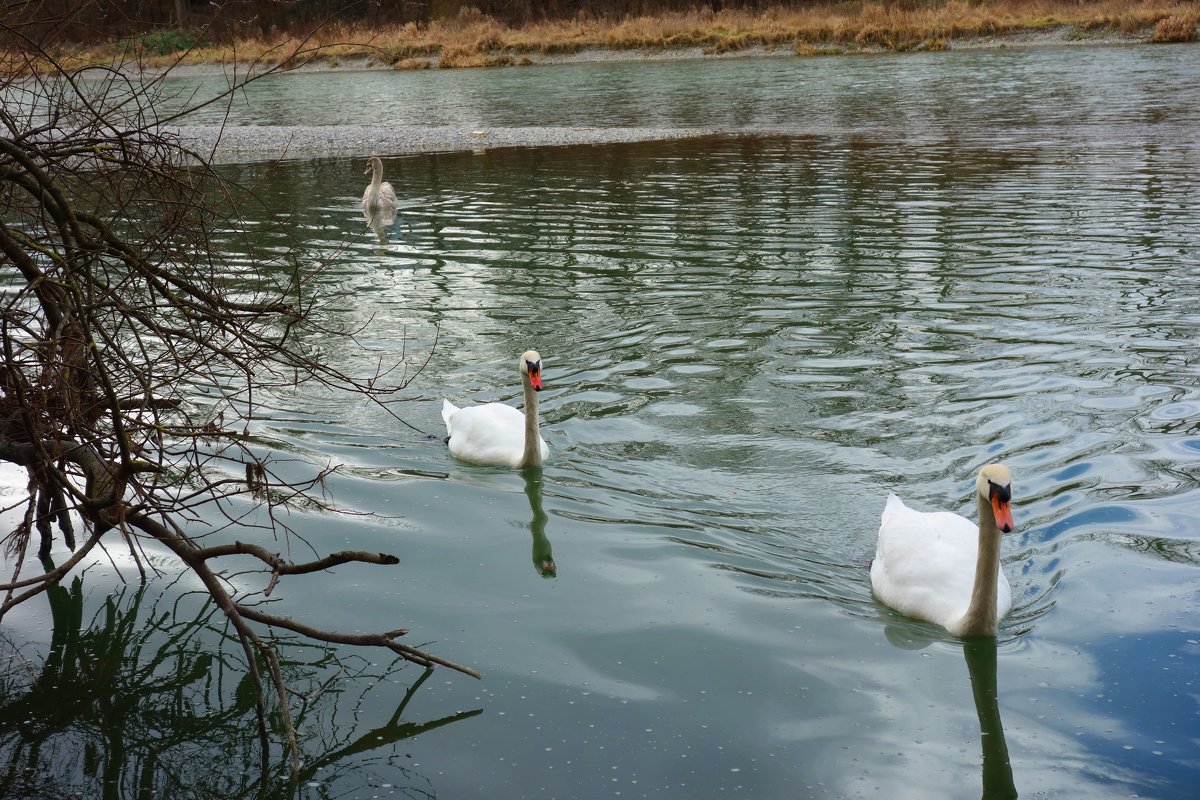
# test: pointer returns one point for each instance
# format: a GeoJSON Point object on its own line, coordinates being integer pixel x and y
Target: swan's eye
{"type": "Point", "coordinates": [1004, 493]}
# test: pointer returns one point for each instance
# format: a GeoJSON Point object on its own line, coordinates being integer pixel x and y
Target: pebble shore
{"type": "Point", "coordinates": [265, 143]}
{"type": "Point", "coordinates": [235, 144]}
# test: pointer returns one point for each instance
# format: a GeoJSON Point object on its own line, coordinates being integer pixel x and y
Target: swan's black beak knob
{"type": "Point", "coordinates": [535, 374]}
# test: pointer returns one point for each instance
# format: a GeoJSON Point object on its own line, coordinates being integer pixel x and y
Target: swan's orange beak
{"type": "Point", "coordinates": [535, 377]}
{"type": "Point", "coordinates": [1003, 511]}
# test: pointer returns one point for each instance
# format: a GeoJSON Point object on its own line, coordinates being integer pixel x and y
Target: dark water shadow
{"type": "Point", "coordinates": [148, 696]}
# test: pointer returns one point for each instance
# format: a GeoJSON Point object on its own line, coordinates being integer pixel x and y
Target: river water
{"type": "Point", "coordinates": [880, 273]}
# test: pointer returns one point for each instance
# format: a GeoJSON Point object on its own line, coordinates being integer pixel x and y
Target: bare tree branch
{"type": "Point", "coordinates": [133, 352]}
{"type": "Point", "coordinates": [282, 567]}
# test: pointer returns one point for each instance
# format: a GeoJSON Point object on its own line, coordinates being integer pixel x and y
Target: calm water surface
{"type": "Point", "coordinates": [899, 269]}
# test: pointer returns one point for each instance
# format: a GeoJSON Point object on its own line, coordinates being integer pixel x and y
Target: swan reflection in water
{"type": "Point", "coordinates": [543, 558]}
{"type": "Point", "coordinates": [380, 223]}
{"type": "Point", "coordinates": [980, 655]}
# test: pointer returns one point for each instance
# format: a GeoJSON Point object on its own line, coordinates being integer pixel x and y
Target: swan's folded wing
{"type": "Point", "coordinates": [923, 562]}
{"type": "Point", "coordinates": [448, 412]}
{"type": "Point", "coordinates": [491, 434]}
{"type": "Point", "coordinates": [387, 195]}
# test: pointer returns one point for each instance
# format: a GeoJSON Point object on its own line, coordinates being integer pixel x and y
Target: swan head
{"type": "Point", "coordinates": [994, 485]}
{"type": "Point", "coordinates": [373, 165]}
{"type": "Point", "coordinates": [531, 367]}
{"type": "Point", "coordinates": [546, 567]}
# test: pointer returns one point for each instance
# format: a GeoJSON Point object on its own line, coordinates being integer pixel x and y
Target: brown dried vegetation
{"type": "Point", "coordinates": [1178, 28]}
{"type": "Point", "coordinates": [471, 38]}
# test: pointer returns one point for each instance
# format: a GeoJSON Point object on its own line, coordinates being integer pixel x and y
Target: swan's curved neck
{"type": "Point", "coordinates": [980, 619]}
{"type": "Point", "coordinates": [532, 457]}
{"type": "Point", "coordinates": [372, 200]}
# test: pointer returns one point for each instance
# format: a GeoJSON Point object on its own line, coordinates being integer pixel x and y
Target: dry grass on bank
{"type": "Point", "coordinates": [472, 39]}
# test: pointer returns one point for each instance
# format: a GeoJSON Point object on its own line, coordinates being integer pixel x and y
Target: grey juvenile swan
{"type": "Point", "coordinates": [379, 197]}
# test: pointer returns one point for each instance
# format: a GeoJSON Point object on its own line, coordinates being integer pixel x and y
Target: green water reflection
{"type": "Point", "coordinates": [145, 695]}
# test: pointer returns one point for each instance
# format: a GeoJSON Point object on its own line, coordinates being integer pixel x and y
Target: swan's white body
{"type": "Point", "coordinates": [941, 567]}
{"type": "Point", "coordinates": [379, 197]}
{"type": "Point", "coordinates": [496, 434]}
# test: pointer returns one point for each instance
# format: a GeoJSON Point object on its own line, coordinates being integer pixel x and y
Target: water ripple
{"type": "Point", "coordinates": [750, 341]}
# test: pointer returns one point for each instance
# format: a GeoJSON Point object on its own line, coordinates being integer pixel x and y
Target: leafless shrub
{"type": "Point", "coordinates": [118, 313]}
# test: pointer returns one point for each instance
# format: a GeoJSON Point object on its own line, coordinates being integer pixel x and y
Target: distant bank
{"type": "Point", "coordinates": [473, 39]}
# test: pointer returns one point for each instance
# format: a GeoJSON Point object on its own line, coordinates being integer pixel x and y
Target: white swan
{"type": "Point", "coordinates": [379, 197]}
{"type": "Point", "coordinates": [939, 567]}
{"type": "Point", "coordinates": [496, 434]}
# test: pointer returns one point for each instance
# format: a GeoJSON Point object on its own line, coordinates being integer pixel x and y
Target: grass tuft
{"type": "Point", "coordinates": [412, 63]}
{"type": "Point", "coordinates": [1177, 28]}
{"type": "Point", "coordinates": [464, 57]}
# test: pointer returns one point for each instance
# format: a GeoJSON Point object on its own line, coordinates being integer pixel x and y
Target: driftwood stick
{"type": "Point", "coordinates": [280, 565]}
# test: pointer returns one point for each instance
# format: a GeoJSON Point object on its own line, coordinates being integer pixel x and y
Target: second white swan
{"type": "Point", "coordinates": [496, 434]}
{"type": "Point", "coordinates": [939, 567]}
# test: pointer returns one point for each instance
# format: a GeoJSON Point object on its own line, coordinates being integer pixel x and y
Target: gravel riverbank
{"type": "Point", "coordinates": [233, 144]}
{"type": "Point", "coordinates": [270, 142]}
